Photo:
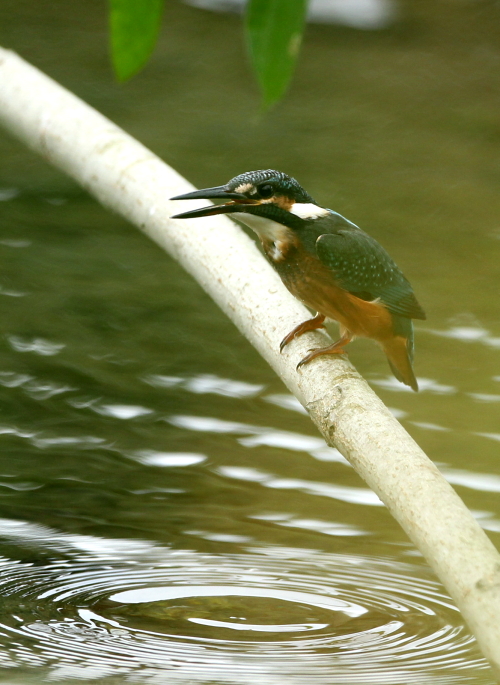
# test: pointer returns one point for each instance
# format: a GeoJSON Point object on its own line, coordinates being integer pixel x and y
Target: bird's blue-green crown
{"type": "Point", "coordinates": [281, 183]}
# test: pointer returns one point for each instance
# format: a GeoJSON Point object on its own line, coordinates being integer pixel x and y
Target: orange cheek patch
{"type": "Point", "coordinates": [282, 201]}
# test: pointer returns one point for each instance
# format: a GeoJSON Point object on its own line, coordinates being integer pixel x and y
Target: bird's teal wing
{"type": "Point", "coordinates": [363, 268]}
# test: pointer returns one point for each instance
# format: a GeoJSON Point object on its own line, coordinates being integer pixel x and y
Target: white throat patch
{"type": "Point", "coordinates": [266, 229]}
{"type": "Point", "coordinates": [275, 238]}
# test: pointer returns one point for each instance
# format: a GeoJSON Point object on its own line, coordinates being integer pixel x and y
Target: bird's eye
{"type": "Point", "coordinates": [265, 190]}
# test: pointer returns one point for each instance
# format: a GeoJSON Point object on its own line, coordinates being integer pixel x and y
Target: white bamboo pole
{"type": "Point", "coordinates": [129, 179]}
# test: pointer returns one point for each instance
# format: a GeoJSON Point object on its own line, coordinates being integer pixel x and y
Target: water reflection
{"type": "Point", "coordinates": [491, 436]}
{"type": "Point", "coordinates": [286, 401]}
{"type": "Point", "coordinates": [468, 334]}
{"type": "Point", "coordinates": [361, 14]}
{"type": "Point", "coordinates": [5, 195]}
{"type": "Point", "coordinates": [425, 385]}
{"type": "Point", "coordinates": [207, 384]}
{"type": "Point", "coordinates": [427, 425]}
{"type": "Point", "coordinates": [484, 397]}
{"type": "Point", "coordinates": [324, 527]}
{"type": "Point", "coordinates": [45, 348]}
{"type": "Point", "coordinates": [167, 459]}
{"type": "Point", "coordinates": [261, 435]}
{"type": "Point", "coordinates": [120, 411]}
{"type": "Point", "coordinates": [341, 492]}
{"type": "Point", "coordinates": [278, 615]}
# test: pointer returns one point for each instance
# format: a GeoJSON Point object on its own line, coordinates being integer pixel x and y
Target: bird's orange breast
{"type": "Point", "coordinates": [315, 285]}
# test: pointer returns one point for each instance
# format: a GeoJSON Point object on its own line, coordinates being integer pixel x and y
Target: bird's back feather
{"type": "Point", "coordinates": [363, 267]}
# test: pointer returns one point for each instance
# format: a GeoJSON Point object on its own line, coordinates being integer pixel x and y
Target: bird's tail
{"type": "Point", "coordinates": [399, 350]}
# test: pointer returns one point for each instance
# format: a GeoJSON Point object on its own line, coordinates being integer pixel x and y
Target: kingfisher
{"type": "Point", "coordinates": [326, 261]}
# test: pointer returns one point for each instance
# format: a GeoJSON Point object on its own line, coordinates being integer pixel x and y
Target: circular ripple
{"type": "Point", "coordinates": [269, 617]}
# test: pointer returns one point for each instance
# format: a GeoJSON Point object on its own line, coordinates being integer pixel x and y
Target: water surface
{"type": "Point", "coordinates": [168, 511]}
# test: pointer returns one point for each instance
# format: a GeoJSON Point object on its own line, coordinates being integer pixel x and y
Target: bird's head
{"type": "Point", "coordinates": [267, 195]}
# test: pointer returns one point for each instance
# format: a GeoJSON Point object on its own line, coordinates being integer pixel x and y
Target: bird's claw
{"type": "Point", "coordinates": [306, 359]}
{"type": "Point", "coordinates": [283, 344]}
{"type": "Point", "coordinates": [309, 325]}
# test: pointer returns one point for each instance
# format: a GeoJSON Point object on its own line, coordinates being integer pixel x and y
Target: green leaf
{"type": "Point", "coordinates": [274, 33]}
{"type": "Point", "coordinates": [134, 26]}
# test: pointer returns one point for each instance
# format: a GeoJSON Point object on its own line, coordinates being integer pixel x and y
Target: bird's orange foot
{"type": "Point", "coordinates": [336, 348]}
{"type": "Point", "coordinates": [309, 325]}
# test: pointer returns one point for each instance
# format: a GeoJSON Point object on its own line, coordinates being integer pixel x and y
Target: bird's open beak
{"type": "Point", "coordinates": [236, 204]}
